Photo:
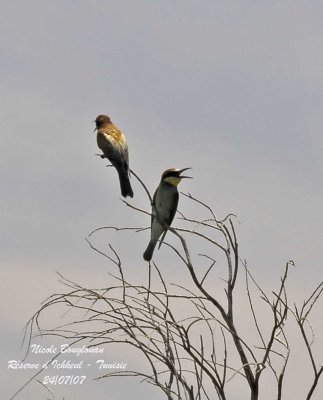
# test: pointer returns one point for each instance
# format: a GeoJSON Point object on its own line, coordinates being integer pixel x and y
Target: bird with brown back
{"type": "Point", "coordinates": [112, 142]}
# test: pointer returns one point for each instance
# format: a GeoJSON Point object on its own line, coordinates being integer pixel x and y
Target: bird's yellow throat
{"type": "Point", "coordinates": [173, 180]}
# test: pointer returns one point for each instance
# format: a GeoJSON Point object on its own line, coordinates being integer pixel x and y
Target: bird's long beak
{"type": "Point", "coordinates": [184, 176]}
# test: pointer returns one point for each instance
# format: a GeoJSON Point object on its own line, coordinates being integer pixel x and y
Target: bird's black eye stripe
{"type": "Point", "coordinates": [171, 173]}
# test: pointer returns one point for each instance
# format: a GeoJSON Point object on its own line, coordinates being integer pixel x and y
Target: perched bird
{"type": "Point", "coordinates": [113, 143]}
{"type": "Point", "coordinates": [165, 203]}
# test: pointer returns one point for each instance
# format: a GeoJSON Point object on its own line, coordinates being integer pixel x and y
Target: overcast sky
{"type": "Point", "coordinates": [233, 89]}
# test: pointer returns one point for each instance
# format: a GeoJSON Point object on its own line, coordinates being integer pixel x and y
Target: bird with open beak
{"type": "Point", "coordinates": [164, 205]}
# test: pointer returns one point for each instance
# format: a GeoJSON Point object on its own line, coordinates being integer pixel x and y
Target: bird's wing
{"type": "Point", "coordinates": [113, 144]}
{"type": "Point", "coordinates": [171, 217]}
{"type": "Point", "coordinates": [116, 135]}
{"type": "Point", "coordinates": [174, 209]}
{"type": "Point", "coordinates": [120, 141]}
{"type": "Point", "coordinates": [153, 205]}
{"type": "Point", "coordinates": [125, 155]}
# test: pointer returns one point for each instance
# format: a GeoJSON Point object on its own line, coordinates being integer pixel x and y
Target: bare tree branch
{"type": "Point", "coordinates": [187, 333]}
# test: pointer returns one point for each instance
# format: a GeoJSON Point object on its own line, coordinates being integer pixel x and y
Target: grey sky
{"type": "Point", "coordinates": [233, 89]}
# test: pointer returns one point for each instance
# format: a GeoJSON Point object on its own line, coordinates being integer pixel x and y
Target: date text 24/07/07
{"type": "Point", "coordinates": [63, 380]}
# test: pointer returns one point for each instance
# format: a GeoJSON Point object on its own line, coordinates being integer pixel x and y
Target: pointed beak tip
{"type": "Point", "coordinates": [184, 176]}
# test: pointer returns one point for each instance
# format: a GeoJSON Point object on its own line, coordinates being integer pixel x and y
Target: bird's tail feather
{"type": "Point", "coordinates": [125, 186]}
{"type": "Point", "coordinates": [148, 254]}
